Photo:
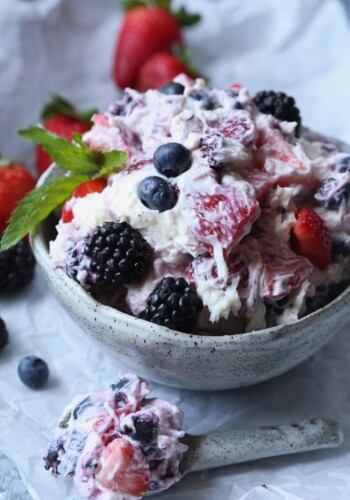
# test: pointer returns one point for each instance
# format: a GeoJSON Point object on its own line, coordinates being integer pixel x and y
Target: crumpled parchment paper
{"type": "Point", "coordinates": [66, 47]}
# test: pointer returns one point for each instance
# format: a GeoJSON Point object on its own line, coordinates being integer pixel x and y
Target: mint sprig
{"type": "Point", "coordinates": [73, 156]}
{"type": "Point", "coordinates": [60, 106]}
{"type": "Point", "coordinates": [81, 164]}
{"type": "Point", "coordinates": [37, 205]}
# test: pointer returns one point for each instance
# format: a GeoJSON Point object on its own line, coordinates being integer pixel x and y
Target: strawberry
{"type": "Point", "coordinates": [124, 469]}
{"type": "Point", "coordinates": [311, 238]}
{"type": "Point", "coordinates": [223, 217]}
{"type": "Point", "coordinates": [160, 69]}
{"type": "Point", "coordinates": [88, 187]}
{"type": "Point", "coordinates": [15, 183]}
{"type": "Point", "coordinates": [61, 118]}
{"type": "Point", "coordinates": [261, 182]}
{"type": "Point", "coordinates": [146, 30]}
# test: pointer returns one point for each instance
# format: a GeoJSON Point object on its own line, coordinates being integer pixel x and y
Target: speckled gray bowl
{"type": "Point", "coordinates": [186, 360]}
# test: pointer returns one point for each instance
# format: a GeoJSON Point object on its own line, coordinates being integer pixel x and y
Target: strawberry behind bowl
{"type": "Point", "coordinates": [62, 118]}
{"type": "Point", "coordinates": [147, 29]}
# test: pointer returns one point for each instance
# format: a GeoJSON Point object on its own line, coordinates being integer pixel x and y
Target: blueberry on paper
{"type": "Point", "coordinates": [33, 372]}
{"type": "Point", "coordinates": [173, 88]}
{"type": "Point", "coordinates": [156, 194]}
{"type": "Point", "coordinates": [172, 159]}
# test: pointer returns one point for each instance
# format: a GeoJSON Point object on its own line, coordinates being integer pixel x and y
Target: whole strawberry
{"type": "Point", "coordinates": [146, 30]}
{"type": "Point", "coordinates": [15, 183]}
{"type": "Point", "coordinates": [311, 237]}
{"type": "Point", "coordinates": [61, 118]}
{"type": "Point", "coordinates": [159, 70]}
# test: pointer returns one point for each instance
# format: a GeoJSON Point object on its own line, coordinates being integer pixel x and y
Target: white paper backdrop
{"type": "Point", "coordinates": [66, 46]}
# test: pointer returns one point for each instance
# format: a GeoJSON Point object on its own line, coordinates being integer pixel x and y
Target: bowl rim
{"type": "Point", "coordinates": [168, 335]}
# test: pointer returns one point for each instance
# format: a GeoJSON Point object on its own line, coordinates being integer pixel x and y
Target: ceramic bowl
{"type": "Point", "coordinates": [184, 360]}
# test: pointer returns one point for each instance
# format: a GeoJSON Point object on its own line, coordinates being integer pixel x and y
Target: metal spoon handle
{"type": "Point", "coordinates": [227, 448]}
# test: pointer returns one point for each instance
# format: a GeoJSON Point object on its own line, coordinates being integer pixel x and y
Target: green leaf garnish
{"type": "Point", "coordinates": [185, 18]}
{"type": "Point", "coordinates": [78, 159]}
{"type": "Point", "coordinates": [111, 161]}
{"type": "Point", "coordinates": [182, 16]}
{"type": "Point", "coordinates": [66, 154]}
{"type": "Point", "coordinates": [73, 156]}
{"type": "Point", "coordinates": [5, 162]}
{"type": "Point", "coordinates": [163, 4]}
{"type": "Point", "coordinates": [131, 4]}
{"type": "Point", "coordinates": [37, 205]}
{"type": "Point", "coordinates": [60, 106]}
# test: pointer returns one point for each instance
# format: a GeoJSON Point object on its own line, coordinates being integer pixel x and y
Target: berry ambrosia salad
{"type": "Point", "coordinates": [117, 443]}
{"type": "Point", "coordinates": [225, 216]}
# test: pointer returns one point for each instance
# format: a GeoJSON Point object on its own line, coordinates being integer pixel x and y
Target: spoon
{"type": "Point", "coordinates": [243, 445]}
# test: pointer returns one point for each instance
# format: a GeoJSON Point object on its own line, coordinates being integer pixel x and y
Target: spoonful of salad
{"type": "Point", "coordinates": [119, 444]}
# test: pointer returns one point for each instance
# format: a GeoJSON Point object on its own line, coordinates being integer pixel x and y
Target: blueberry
{"type": "Point", "coordinates": [173, 88]}
{"type": "Point", "coordinates": [156, 194]}
{"type": "Point", "coordinates": [238, 105]}
{"type": "Point", "coordinates": [81, 407]}
{"type": "Point", "coordinates": [332, 195]}
{"type": "Point", "coordinates": [339, 249]}
{"type": "Point", "coordinates": [4, 336]}
{"type": "Point", "coordinates": [120, 384]}
{"type": "Point", "coordinates": [33, 372]}
{"type": "Point", "coordinates": [145, 430]}
{"type": "Point", "coordinates": [172, 159]}
{"type": "Point", "coordinates": [205, 97]}
{"type": "Point", "coordinates": [344, 165]}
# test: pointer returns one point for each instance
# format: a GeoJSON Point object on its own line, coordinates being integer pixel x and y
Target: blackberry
{"type": "Point", "coordinates": [174, 304]}
{"type": "Point", "coordinates": [119, 254]}
{"type": "Point", "coordinates": [4, 336]}
{"type": "Point", "coordinates": [16, 267]}
{"type": "Point", "coordinates": [278, 104]}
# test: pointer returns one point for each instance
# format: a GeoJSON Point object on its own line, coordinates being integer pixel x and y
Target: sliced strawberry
{"type": "Point", "coordinates": [144, 31]}
{"type": "Point", "coordinates": [223, 217]}
{"type": "Point", "coordinates": [160, 69]}
{"type": "Point", "coordinates": [285, 162]}
{"type": "Point", "coordinates": [15, 183]}
{"type": "Point", "coordinates": [124, 469]}
{"type": "Point", "coordinates": [262, 183]}
{"type": "Point", "coordinates": [88, 187]}
{"type": "Point", "coordinates": [283, 271]}
{"type": "Point", "coordinates": [240, 127]}
{"type": "Point", "coordinates": [311, 237]}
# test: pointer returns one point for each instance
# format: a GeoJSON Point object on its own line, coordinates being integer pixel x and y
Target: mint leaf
{"type": "Point", "coordinates": [37, 205]}
{"type": "Point", "coordinates": [60, 106]}
{"type": "Point", "coordinates": [111, 163]}
{"type": "Point", "coordinates": [65, 154]}
{"type": "Point", "coordinates": [185, 18]}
